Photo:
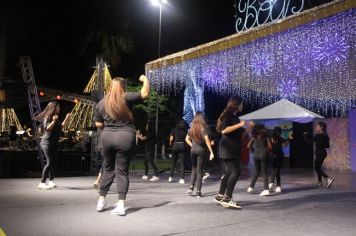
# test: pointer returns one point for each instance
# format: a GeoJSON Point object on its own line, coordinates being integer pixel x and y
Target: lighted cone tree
{"type": "Point", "coordinates": [8, 117]}
{"type": "Point", "coordinates": [83, 111]}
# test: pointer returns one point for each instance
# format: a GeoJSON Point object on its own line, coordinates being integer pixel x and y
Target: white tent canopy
{"type": "Point", "coordinates": [284, 110]}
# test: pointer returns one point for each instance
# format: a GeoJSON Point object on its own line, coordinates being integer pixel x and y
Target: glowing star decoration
{"type": "Point", "coordinates": [261, 64]}
{"type": "Point", "coordinates": [318, 56]}
{"type": "Point", "coordinates": [331, 49]}
{"type": "Point", "coordinates": [294, 58]}
{"type": "Point", "coordinates": [288, 89]}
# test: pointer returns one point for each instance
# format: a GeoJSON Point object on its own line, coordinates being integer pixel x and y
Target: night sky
{"type": "Point", "coordinates": [53, 32]}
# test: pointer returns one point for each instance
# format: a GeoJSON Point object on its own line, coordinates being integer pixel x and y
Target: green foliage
{"type": "Point", "coordinates": [148, 107]}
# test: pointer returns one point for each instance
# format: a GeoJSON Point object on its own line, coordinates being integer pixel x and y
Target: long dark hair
{"type": "Point", "coordinates": [198, 125]}
{"type": "Point", "coordinates": [259, 130]}
{"type": "Point", "coordinates": [323, 127]}
{"type": "Point", "coordinates": [115, 102]}
{"type": "Point", "coordinates": [181, 125]}
{"type": "Point", "coordinates": [48, 112]}
{"type": "Point", "coordinates": [277, 132]}
{"type": "Point", "coordinates": [232, 106]}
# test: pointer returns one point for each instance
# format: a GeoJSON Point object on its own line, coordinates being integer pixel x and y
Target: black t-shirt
{"type": "Point", "coordinates": [321, 142]}
{"type": "Point", "coordinates": [277, 145]}
{"type": "Point", "coordinates": [229, 120]}
{"type": "Point", "coordinates": [51, 137]}
{"type": "Point", "coordinates": [178, 134]}
{"type": "Point", "coordinates": [101, 116]}
{"type": "Point", "coordinates": [150, 139]}
{"type": "Point", "coordinates": [199, 142]}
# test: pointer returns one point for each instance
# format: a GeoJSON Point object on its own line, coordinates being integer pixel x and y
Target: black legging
{"type": "Point", "coordinates": [51, 153]}
{"type": "Point", "coordinates": [117, 152]}
{"type": "Point", "coordinates": [231, 175]}
{"type": "Point", "coordinates": [149, 159]}
{"type": "Point", "coordinates": [261, 169]}
{"type": "Point", "coordinates": [179, 152]}
{"type": "Point", "coordinates": [196, 177]}
{"type": "Point", "coordinates": [319, 159]}
{"type": "Point", "coordinates": [277, 163]}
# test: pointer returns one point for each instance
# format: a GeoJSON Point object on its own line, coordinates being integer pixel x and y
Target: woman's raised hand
{"type": "Point", "coordinates": [143, 78]}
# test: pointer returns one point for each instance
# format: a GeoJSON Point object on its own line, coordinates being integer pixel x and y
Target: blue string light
{"type": "Point", "coordinates": [312, 65]}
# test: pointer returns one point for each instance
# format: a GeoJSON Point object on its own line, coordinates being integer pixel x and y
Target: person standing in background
{"type": "Point", "coordinates": [50, 141]}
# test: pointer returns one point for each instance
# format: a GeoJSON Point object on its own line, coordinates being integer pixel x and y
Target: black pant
{"type": "Point", "coordinates": [261, 169]}
{"type": "Point", "coordinates": [149, 159]}
{"type": "Point", "coordinates": [179, 152]}
{"type": "Point", "coordinates": [196, 177]}
{"type": "Point", "coordinates": [231, 175]}
{"type": "Point", "coordinates": [51, 153]}
{"type": "Point", "coordinates": [319, 159]}
{"type": "Point", "coordinates": [277, 163]}
{"type": "Point", "coordinates": [117, 152]}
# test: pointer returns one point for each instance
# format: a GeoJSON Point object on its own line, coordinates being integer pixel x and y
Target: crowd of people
{"type": "Point", "coordinates": [114, 117]}
{"type": "Point", "coordinates": [25, 139]}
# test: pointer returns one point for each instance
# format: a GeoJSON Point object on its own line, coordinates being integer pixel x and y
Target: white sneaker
{"type": "Point", "coordinates": [170, 179]}
{"type": "Point", "coordinates": [329, 182]}
{"type": "Point", "coordinates": [43, 186]}
{"type": "Point", "coordinates": [101, 204]}
{"type": "Point", "coordinates": [119, 210]}
{"type": "Point", "coordinates": [154, 178]}
{"type": "Point", "coordinates": [145, 177]}
{"type": "Point", "coordinates": [206, 175]}
{"type": "Point", "coordinates": [270, 186]}
{"type": "Point", "coordinates": [278, 189]}
{"type": "Point", "coordinates": [52, 184]}
{"type": "Point", "coordinates": [264, 193]}
{"type": "Point", "coordinates": [190, 192]}
{"type": "Point", "coordinates": [250, 190]}
{"type": "Point", "coordinates": [181, 181]}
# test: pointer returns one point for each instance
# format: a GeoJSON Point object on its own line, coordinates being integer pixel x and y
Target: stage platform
{"type": "Point", "coordinates": [163, 208]}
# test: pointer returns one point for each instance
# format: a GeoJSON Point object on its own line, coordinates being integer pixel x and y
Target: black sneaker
{"type": "Point", "coordinates": [218, 199]}
{"type": "Point", "coordinates": [319, 184]}
{"type": "Point", "coordinates": [198, 194]}
{"type": "Point", "coordinates": [229, 203]}
{"type": "Point", "coordinates": [329, 182]}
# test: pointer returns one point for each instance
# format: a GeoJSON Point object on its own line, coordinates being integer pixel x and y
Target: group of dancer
{"type": "Point", "coordinates": [113, 115]}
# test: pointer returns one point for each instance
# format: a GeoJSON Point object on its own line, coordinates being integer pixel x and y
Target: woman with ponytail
{"type": "Point", "coordinates": [114, 115]}
{"type": "Point", "coordinates": [230, 127]}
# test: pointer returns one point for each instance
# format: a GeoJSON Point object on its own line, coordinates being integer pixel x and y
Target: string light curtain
{"type": "Point", "coordinates": [313, 65]}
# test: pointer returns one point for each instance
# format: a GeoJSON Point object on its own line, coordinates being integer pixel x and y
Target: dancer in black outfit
{"type": "Point", "coordinates": [198, 140]}
{"type": "Point", "coordinates": [148, 137]}
{"type": "Point", "coordinates": [321, 141]}
{"type": "Point", "coordinates": [230, 127]}
{"type": "Point", "coordinates": [259, 144]}
{"type": "Point", "coordinates": [113, 114]}
{"type": "Point", "coordinates": [176, 139]}
{"type": "Point", "coordinates": [50, 140]}
{"type": "Point", "coordinates": [278, 142]}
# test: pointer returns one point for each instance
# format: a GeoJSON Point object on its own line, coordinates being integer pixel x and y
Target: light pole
{"type": "Point", "coordinates": [158, 3]}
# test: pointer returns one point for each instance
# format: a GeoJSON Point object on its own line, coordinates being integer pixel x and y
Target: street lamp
{"type": "Point", "coordinates": [158, 3]}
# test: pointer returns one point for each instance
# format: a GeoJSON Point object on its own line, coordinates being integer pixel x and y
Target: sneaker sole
{"type": "Point", "coordinates": [225, 205]}
{"type": "Point", "coordinates": [329, 184]}
{"type": "Point", "coordinates": [217, 202]}
{"type": "Point", "coordinates": [100, 210]}
{"type": "Point", "coordinates": [118, 213]}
